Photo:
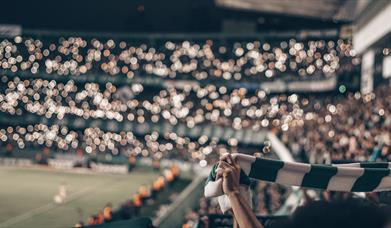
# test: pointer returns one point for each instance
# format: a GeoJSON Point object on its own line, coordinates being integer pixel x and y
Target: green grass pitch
{"type": "Point", "coordinates": [26, 195]}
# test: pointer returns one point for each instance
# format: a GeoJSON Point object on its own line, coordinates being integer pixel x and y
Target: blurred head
{"type": "Point", "coordinates": [345, 213]}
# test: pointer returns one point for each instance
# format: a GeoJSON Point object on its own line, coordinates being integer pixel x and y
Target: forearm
{"type": "Point", "coordinates": [235, 222]}
{"type": "Point", "coordinates": [243, 212]}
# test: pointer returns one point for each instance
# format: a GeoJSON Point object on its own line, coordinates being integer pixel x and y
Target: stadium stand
{"type": "Point", "coordinates": [191, 108]}
{"type": "Point", "coordinates": [127, 126]}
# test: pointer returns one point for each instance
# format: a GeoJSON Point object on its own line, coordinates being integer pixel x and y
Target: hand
{"type": "Point", "coordinates": [229, 170]}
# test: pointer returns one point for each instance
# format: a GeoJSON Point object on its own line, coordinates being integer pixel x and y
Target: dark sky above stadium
{"type": "Point", "coordinates": [142, 16]}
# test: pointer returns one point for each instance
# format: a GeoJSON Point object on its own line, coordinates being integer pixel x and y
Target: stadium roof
{"type": "Point", "coordinates": [345, 10]}
{"type": "Point", "coordinates": [189, 16]}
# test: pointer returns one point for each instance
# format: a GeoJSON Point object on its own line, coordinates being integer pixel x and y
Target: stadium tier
{"type": "Point", "coordinates": [193, 59]}
{"type": "Point", "coordinates": [347, 117]}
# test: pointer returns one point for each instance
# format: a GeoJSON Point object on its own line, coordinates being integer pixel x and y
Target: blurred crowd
{"type": "Point", "coordinates": [193, 105]}
{"type": "Point", "coordinates": [93, 141]}
{"type": "Point", "coordinates": [321, 128]}
{"type": "Point", "coordinates": [354, 127]}
{"type": "Point", "coordinates": [180, 59]}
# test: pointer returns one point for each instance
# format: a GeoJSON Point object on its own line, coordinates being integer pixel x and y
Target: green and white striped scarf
{"type": "Point", "coordinates": [351, 177]}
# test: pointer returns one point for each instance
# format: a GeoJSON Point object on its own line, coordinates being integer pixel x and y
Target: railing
{"type": "Point", "coordinates": [177, 210]}
{"type": "Point", "coordinates": [303, 34]}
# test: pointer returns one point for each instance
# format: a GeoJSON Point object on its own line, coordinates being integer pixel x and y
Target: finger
{"type": "Point", "coordinates": [224, 157]}
{"type": "Point", "coordinates": [224, 165]}
{"type": "Point", "coordinates": [236, 162]}
{"type": "Point", "coordinates": [227, 172]}
{"type": "Point", "coordinates": [230, 160]}
{"type": "Point", "coordinates": [219, 173]}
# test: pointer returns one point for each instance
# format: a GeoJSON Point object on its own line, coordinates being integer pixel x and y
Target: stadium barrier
{"type": "Point", "coordinates": [61, 163]}
{"type": "Point", "coordinates": [109, 168]}
{"type": "Point", "coordinates": [15, 162]}
{"type": "Point", "coordinates": [187, 199]}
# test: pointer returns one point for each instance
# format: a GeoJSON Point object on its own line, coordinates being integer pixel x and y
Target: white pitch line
{"type": "Point", "coordinates": [44, 208]}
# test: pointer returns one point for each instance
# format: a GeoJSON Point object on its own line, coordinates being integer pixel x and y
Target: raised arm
{"type": "Point", "coordinates": [230, 172]}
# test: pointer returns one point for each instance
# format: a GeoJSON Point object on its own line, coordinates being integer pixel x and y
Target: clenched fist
{"type": "Point", "coordinates": [229, 170]}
